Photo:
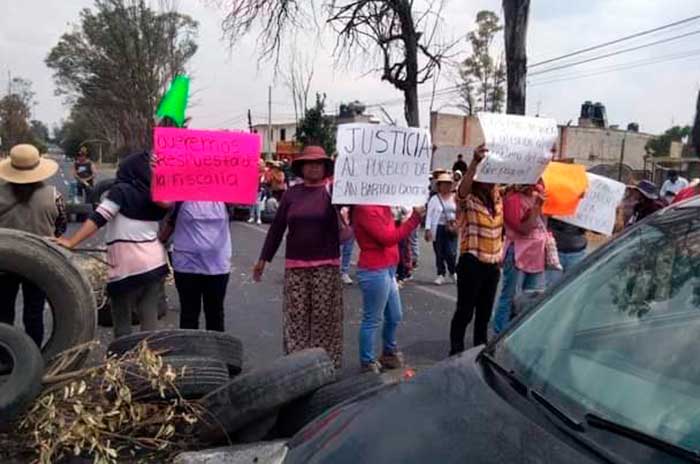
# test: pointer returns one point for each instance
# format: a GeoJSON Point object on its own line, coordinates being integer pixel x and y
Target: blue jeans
{"type": "Point", "coordinates": [380, 299]}
{"type": "Point", "coordinates": [567, 260]}
{"type": "Point", "coordinates": [415, 245]}
{"type": "Point", "coordinates": [346, 255]}
{"type": "Point", "coordinates": [514, 282]}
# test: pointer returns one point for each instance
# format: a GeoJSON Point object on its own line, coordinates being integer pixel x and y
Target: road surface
{"type": "Point", "coordinates": [254, 311]}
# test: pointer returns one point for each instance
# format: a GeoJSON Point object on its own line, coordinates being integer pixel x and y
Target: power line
{"type": "Point", "coordinates": [619, 52]}
{"type": "Point", "coordinates": [616, 41]}
{"type": "Point", "coordinates": [617, 68]}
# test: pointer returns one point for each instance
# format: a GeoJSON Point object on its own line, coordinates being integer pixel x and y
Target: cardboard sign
{"type": "Point", "coordinates": [382, 165]}
{"type": "Point", "coordinates": [597, 209]}
{"type": "Point", "coordinates": [565, 185]}
{"type": "Point", "coordinates": [196, 165]}
{"type": "Point", "coordinates": [519, 147]}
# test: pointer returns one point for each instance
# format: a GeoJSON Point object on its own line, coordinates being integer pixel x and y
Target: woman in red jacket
{"type": "Point", "coordinates": [378, 237]}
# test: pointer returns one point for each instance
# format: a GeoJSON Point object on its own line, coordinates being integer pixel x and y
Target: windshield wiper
{"type": "Point", "coordinates": [603, 423]}
{"type": "Point", "coordinates": [518, 384]}
{"type": "Point", "coordinates": [526, 391]}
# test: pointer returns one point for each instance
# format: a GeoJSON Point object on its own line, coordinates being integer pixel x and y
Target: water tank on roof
{"type": "Point", "coordinates": [600, 117]}
{"type": "Point", "coordinates": [587, 110]}
{"type": "Point", "coordinates": [633, 127]}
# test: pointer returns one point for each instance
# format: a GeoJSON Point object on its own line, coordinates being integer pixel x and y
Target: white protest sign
{"type": "Point", "coordinates": [519, 147]}
{"type": "Point", "coordinates": [597, 209]}
{"type": "Point", "coordinates": [382, 165]}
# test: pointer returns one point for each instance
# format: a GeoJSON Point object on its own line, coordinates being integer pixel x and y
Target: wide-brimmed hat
{"type": "Point", "coordinates": [312, 153]}
{"type": "Point", "coordinates": [25, 165]}
{"type": "Point", "coordinates": [444, 177]}
{"type": "Point", "coordinates": [647, 189]}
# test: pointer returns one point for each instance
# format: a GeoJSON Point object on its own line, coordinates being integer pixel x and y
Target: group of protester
{"type": "Point", "coordinates": [479, 231]}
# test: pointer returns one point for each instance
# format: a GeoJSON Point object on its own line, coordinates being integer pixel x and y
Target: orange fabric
{"type": "Point", "coordinates": [565, 184]}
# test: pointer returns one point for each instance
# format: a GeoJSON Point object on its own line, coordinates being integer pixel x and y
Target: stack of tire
{"type": "Point", "coordinates": [268, 402]}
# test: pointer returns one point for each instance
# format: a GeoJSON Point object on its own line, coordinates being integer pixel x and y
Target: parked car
{"type": "Point", "coordinates": [602, 368]}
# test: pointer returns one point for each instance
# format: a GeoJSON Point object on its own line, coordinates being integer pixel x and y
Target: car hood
{"type": "Point", "coordinates": [447, 414]}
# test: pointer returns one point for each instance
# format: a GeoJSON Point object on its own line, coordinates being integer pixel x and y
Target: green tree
{"type": "Point", "coordinates": [695, 132]}
{"type": "Point", "coordinates": [116, 64]}
{"type": "Point", "coordinates": [483, 77]}
{"type": "Point", "coordinates": [15, 111]}
{"type": "Point", "coordinates": [316, 127]}
{"type": "Point", "coordinates": [661, 145]}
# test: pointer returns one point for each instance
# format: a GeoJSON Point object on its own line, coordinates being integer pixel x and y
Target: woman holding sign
{"type": "Point", "coordinates": [378, 237]}
{"type": "Point", "coordinates": [481, 247]}
{"type": "Point", "coordinates": [526, 238]}
{"type": "Point", "coordinates": [313, 294]}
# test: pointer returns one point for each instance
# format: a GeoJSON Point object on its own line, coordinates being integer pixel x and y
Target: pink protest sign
{"type": "Point", "coordinates": [197, 165]}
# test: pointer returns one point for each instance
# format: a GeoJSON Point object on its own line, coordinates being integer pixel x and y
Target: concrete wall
{"type": "Point", "coordinates": [591, 146]}
{"type": "Point", "coordinates": [269, 143]}
{"type": "Point", "coordinates": [455, 130]}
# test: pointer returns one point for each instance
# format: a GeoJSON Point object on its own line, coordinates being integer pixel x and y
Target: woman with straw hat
{"type": "Point", "coordinates": [441, 228]}
{"type": "Point", "coordinates": [29, 205]}
{"type": "Point", "coordinates": [313, 294]}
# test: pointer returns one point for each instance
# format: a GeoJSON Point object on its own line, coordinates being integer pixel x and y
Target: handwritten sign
{"type": "Point", "coordinates": [519, 147]}
{"type": "Point", "coordinates": [382, 165]}
{"type": "Point", "coordinates": [597, 209]}
{"type": "Point", "coordinates": [196, 165]}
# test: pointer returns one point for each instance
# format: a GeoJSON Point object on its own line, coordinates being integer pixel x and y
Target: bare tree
{"type": "Point", "coordinates": [516, 13]}
{"type": "Point", "coordinates": [298, 80]}
{"type": "Point", "coordinates": [401, 38]}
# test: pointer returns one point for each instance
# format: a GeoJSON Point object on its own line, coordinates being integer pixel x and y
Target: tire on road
{"type": "Point", "coordinates": [261, 392]}
{"type": "Point", "coordinates": [201, 376]}
{"type": "Point", "coordinates": [24, 382]}
{"type": "Point", "coordinates": [182, 342]}
{"type": "Point", "coordinates": [67, 289]}
{"type": "Point", "coordinates": [297, 414]}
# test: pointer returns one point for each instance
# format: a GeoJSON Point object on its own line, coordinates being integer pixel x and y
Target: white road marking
{"type": "Point", "coordinates": [417, 286]}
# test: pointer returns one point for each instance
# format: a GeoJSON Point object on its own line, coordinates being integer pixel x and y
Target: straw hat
{"type": "Point", "coordinates": [312, 153]}
{"type": "Point", "coordinates": [444, 177]}
{"type": "Point", "coordinates": [26, 166]}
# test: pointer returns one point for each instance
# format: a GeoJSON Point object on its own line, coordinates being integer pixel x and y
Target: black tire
{"type": "Point", "coordinates": [262, 392]}
{"type": "Point", "coordinates": [100, 188]}
{"type": "Point", "coordinates": [24, 382]}
{"type": "Point", "coordinates": [201, 376]}
{"type": "Point", "coordinates": [180, 342]}
{"type": "Point", "coordinates": [297, 414]}
{"type": "Point", "coordinates": [68, 290]}
{"type": "Point", "coordinates": [257, 431]}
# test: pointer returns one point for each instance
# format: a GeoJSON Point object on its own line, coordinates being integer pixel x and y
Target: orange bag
{"type": "Point", "coordinates": [565, 184]}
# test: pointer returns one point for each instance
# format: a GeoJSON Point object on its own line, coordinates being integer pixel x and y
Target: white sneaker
{"type": "Point", "coordinates": [258, 222]}
{"type": "Point", "coordinates": [251, 220]}
{"type": "Point", "coordinates": [439, 281]}
{"type": "Point", "coordinates": [452, 279]}
{"type": "Point", "coordinates": [346, 279]}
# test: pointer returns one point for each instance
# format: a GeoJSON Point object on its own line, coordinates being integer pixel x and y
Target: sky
{"type": "Point", "coordinates": [654, 86]}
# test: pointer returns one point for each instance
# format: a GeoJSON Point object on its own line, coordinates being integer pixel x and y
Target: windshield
{"type": "Point", "coordinates": [621, 338]}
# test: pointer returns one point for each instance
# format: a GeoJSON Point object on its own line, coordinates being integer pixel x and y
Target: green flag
{"type": "Point", "coordinates": [174, 101]}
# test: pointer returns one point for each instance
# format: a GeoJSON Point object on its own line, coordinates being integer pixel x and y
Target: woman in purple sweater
{"type": "Point", "coordinates": [313, 298]}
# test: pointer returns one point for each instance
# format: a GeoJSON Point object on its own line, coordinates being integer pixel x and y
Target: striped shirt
{"type": "Point", "coordinates": [134, 253]}
{"type": "Point", "coordinates": [481, 233]}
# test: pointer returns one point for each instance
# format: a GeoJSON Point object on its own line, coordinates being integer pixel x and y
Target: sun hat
{"type": "Point", "coordinates": [646, 188]}
{"type": "Point", "coordinates": [25, 165]}
{"type": "Point", "coordinates": [312, 153]}
{"type": "Point", "coordinates": [444, 177]}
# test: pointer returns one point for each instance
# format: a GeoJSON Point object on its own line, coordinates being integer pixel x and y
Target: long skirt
{"type": "Point", "coordinates": [313, 311]}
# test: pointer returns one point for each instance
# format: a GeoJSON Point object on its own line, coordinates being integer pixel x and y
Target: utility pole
{"type": "Point", "coordinates": [622, 157]}
{"type": "Point", "coordinates": [269, 119]}
{"type": "Point", "coordinates": [250, 122]}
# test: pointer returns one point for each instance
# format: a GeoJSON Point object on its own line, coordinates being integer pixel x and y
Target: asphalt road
{"type": "Point", "coordinates": [254, 311]}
